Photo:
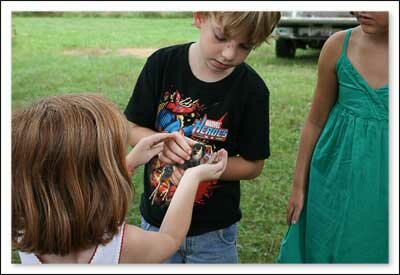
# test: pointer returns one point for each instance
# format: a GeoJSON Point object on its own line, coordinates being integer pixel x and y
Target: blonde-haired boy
{"type": "Point", "coordinates": [205, 91]}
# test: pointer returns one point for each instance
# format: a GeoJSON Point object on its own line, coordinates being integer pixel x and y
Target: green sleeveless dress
{"type": "Point", "coordinates": [345, 216]}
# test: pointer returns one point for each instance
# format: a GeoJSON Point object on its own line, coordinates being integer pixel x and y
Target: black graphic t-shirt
{"type": "Point", "coordinates": [231, 113]}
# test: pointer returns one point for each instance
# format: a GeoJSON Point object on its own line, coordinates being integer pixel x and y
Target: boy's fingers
{"type": "Point", "coordinates": [175, 153]}
{"type": "Point", "coordinates": [165, 159]}
{"type": "Point", "coordinates": [190, 141]}
{"type": "Point", "coordinates": [156, 149]}
{"type": "Point", "coordinates": [174, 179]}
{"type": "Point", "coordinates": [179, 147]}
{"type": "Point", "coordinates": [157, 138]}
{"type": "Point", "coordinates": [177, 175]}
{"type": "Point", "coordinates": [183, 142]}
{"type": "Point", "coordinates": [158, 146]}
{"type": "Point", "coordinates": [179, 172]}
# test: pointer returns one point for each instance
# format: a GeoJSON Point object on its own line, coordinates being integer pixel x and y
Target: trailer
{"type": "Point", "coordinates": [308, 30]}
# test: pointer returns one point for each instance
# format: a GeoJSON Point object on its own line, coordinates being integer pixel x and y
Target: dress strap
{"type": "Point", "coordinates": [109, 253]}
{"type": "Point", "coordinates": [346, 42]}
{"type": "Point", "coordinates": [29, 258]}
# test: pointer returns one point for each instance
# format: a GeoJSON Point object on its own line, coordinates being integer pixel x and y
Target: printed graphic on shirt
{"type": "Point", "coordinates": [183, 114]}
{"type": "Point", "coordinates": [210, 129]}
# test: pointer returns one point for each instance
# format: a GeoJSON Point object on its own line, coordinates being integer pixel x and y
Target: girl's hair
{"type": "Point", "coordinates": [70, 185]}
{"type": "Point", "coordinates": [257, 25]}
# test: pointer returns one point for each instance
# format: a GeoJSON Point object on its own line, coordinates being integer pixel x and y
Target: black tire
{"type": "Point", "coordinates": [285, 48]}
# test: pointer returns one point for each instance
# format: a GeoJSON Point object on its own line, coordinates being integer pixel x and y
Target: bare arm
{"type": "Point", "coordinates": [141, 246]}
{"type": "Point", "coordinates": [325, 96]}
{"type": "Point", "coordinates": [137, 132]}
{"type": "Point", "coordinates": [238, 168]}
{"type": "Point", "coordinates": [176, 150]}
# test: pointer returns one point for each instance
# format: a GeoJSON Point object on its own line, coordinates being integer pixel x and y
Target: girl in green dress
{"type": "Point", "coordinates": [338, 208]}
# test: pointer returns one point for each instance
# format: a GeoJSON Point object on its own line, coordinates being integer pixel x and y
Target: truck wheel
{"type": "Point", "coordinates": [285, 48]}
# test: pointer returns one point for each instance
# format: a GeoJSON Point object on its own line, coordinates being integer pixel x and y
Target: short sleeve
{"type": "Point", "coordinates": [142, 105]}
{"type": "Point", "coordinates": [254, 132]}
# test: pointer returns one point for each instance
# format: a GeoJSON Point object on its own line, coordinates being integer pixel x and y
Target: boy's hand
{"type": "Point", "coordinates": [177, 175]}
{"type": "Point", "coordinates": [213, 168]}
{"type": "Point", "coordinates": [146, 149]}
{"type": "Point", "coordinates": [177, 149]}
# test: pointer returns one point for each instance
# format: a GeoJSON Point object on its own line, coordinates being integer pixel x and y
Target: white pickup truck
{"type": "Point", "coordinates": [308, 29]}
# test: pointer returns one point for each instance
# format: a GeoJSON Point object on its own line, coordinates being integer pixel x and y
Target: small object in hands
{"type": "Point", "coordinates": [164, 184]}
{"type": "Point", "coordinates": [198, 152]}
{"type": "Point", "coordinates": [166, 172]}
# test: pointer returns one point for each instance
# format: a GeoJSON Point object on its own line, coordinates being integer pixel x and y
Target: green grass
{"type": "Point", "coordinates": [40, 68]}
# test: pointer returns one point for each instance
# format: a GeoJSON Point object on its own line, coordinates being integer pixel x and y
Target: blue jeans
{"type": "Point", "coordinates": [218, 247]}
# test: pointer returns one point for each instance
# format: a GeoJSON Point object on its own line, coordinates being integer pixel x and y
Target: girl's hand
{"type": "Point", "coordinates": [177, 149]}
{"type": "Point", "coordinates": [212, 169]}
{"type": "Point", "coordinates": [294, 205]}
{"type": "Point", "coordinates": [146, 149]}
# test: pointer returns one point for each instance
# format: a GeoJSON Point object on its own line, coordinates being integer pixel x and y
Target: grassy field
{"type": "Point", "coordinates": [57, 55]}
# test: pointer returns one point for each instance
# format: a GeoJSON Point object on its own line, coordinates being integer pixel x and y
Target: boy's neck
{"type": "Point", "coordinates": [200, 69]}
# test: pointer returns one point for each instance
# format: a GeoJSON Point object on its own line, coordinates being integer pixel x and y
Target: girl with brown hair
{"type": "Point", "coordinates": [71, 185]}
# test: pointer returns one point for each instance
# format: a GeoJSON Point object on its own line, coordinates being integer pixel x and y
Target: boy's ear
{"type": "Point", "coordinates": [198, 18]}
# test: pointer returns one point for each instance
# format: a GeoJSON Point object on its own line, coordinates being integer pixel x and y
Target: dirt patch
{"type": "Point", "coordinates": [87, 51]}
{"type": "Point", "coordinates": [138, 52]}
